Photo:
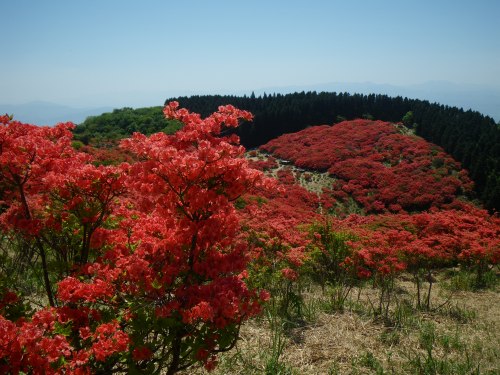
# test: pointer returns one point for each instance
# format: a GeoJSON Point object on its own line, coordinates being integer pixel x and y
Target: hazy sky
{"type": "Point", "coordinates": [123, 52]}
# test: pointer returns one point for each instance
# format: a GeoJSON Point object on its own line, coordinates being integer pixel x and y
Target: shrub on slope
{"type": "Point", "coordinates": [381, 168]}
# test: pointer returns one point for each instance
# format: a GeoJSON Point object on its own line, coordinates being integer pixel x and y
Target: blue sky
{"type": "Point", "coordinates": [137, 53]}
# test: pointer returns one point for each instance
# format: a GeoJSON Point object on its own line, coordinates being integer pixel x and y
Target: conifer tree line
{"type": "Point", "coordinates": [470, 137]}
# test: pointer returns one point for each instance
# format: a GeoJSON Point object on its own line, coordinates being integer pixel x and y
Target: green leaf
{"type": "Point", "coordinates": [156, 284]}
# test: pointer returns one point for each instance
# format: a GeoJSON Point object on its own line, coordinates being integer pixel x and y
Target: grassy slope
{"type": "Point", "coordinates": [459, 335]}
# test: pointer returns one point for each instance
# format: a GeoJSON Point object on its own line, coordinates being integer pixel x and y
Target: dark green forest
{"type": "Point", "coordinates": [470, 137]}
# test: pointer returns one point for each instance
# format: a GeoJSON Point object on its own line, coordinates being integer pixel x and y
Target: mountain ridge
{"type": "Point", "coordinates": [477, 97]}
{"type": "Point", "coordinates": [47, 113]}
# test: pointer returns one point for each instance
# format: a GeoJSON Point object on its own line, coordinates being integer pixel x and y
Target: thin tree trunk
{"type": "Point", "coordinates": [429, 291]}
{"type": "Point", "coordinates": [46, 280]}
{"type": "Point", "coordinates": [176, 355]}
{"type": "Point", "coordinates": [417, 279]}
{"type": "Point", "coordinates": [45, 270]}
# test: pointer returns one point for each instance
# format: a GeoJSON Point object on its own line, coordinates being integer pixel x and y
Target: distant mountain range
{"type": "Point", "coordinates": [45, 113]}
{"type": "Point", "coordinates": [482, 98]}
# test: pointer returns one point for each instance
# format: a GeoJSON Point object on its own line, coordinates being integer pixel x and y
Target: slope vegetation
{"type": "Point", "coordinates": [376, 164]}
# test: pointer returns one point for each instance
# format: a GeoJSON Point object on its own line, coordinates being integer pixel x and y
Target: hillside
{"type": "Point", "coordinates": [366, 244]}
{"type": "Point", "coordinates": [471, 138]}
{"type": "Point", "coordinates": [351, 248]}
{"type": "Point", "coordinates": [377, 164]}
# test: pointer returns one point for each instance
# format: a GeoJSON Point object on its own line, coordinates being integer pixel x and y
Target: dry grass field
{"type": "Point", "coordinates": [460, 334]}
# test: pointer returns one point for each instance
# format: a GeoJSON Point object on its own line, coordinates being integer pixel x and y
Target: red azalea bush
{"type": "Point", "coordinates": [151, 272]}
{"type": "Point", "coordinates": [275, 225]}
{"type": "Point", "coordinates": [265, 164]}
{"type": "Point", "coordinates": [380, 168]}
{"type": "Point", "coordinates": [385, 245]}
{"type": "Point", "coordinates": [108, 154]}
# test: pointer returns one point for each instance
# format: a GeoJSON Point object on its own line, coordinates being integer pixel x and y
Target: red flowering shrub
{"type": "Point", "coordinates": [380, 168]}
{"type": "Point", "coordinates": [108, 154]}
{"type": "Point", "coordinates": [424, 242]}
{"type": "Point", "coordinates": [27, 154]}
{"type": "Point", "coordinates": [263, 165]}
{"type": "Point", "coordinates": [43, 345]}
{"type": "Point", "coordinates": [274, 223]}
{"type": "Point", "coordinates": [157, 281]}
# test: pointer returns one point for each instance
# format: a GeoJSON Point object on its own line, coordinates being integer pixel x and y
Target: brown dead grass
{"type": "Point", "coordinates": [356, 342]}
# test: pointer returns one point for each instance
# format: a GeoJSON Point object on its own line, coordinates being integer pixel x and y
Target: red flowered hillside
{"type": "Point", "coordinates": [407, 186]}
{"type": "Point", "coordinates": [153, 262]}
{"type": "Point", "coordinates": [376, 164]}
